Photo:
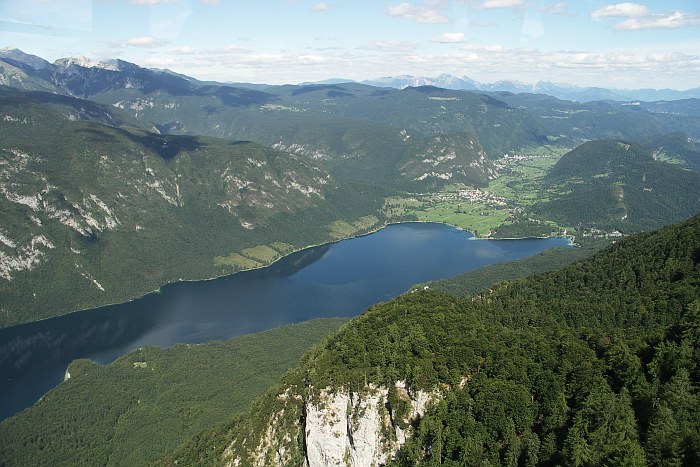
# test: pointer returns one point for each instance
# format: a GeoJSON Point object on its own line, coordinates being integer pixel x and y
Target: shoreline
{"type": "Point", "coordinates": [330, 242]}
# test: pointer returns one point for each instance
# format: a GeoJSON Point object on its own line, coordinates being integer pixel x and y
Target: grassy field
{"type": "Point", "coordinates": [481, 211]}
{"type": "Point", "coordinates": [342, 229]}
{"type": "Point", "coordinates": [475, 217]}
{"type": "Point", "coordinates": [237, 261]}
{"type": "Point", "coordinates": [263, 255]}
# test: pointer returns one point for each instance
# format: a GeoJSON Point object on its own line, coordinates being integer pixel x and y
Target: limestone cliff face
{"type": "Point", "coordinates": [332, 427]}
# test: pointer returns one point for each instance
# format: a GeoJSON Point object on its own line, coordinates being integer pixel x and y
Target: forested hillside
{"type": "Point", "coordinates": [595, 363]}
{"type": "Point", "coordinates": [136, 409]}
{"type": "Point", "coordinates": [610, 184]}
{"type": "Point", "coordinates": [475, 281]}
{"type": "Point", "coordinates": [96, 214]}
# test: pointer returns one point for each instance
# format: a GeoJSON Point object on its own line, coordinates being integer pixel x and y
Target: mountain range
{"type": "Point", "coordinates": [100, 158]}
{"type": "Point", "coordinates": [116, 179]}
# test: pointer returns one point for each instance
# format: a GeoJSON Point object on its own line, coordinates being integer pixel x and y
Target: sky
{"type": "Point", "coordinates": [628, 45]}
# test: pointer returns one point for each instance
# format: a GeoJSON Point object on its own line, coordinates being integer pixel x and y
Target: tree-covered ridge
{"type": "Point", "coordinates": [72, 108]}
{"type": "Point", "coordinates": [475, 281]}
{"type": "Point", "coordinates": [676, 147]}
{"type": "Point", "coordinates": [136, 409]}
{"type": "Point", "coordinates": [595, 363]}
{"type": "Point", "coordinates": [610, 184]}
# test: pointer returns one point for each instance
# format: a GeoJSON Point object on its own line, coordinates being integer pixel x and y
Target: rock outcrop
{"type": "Point", "coordinates": [332, 427]}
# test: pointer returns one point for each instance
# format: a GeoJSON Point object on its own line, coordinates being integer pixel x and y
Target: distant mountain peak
{"type": "Point", "coordinates": [28, 59]}
{"type": "Point", "coordinates": [559, 90]}
{"type": "Point", "coordinates": [82, 61]}
{"type": "Point", "coordinates": [16, 57]}
{"type": "Point", "coordinates": [86, 62]}
{"type": "Point", "coordinates": [444, 80]}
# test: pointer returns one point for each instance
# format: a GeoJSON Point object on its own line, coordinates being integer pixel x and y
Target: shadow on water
{"type": "Point", "coordinates": [294, 262]}
{"type": "Point", "coordinates": [34, 346]}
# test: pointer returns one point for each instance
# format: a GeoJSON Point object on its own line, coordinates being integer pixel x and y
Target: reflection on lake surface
{"type": "Point", "coordinates": [341, 279]}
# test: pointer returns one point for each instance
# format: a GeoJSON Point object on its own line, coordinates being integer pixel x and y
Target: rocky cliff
{"type": "Point", "coordinates": [331, 427]}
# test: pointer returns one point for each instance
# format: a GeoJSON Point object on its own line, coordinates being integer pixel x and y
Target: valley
{"type": "Point", "coordinates": [122, 187]}
{"type": "Point", "coordinates": [486, 210]}
{"type": "Point", "coordinates": [341, 279]}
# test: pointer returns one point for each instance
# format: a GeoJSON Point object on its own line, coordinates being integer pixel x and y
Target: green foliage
{"type": "Point", "coordinates": [475, 281]}
{"type": "Point", "coordinates": [591, 364]}
{"type": "Point", "coordinates": [617, 185]}
{"type": "Point", "coordinates": [125, 212]}
{"type": "Point", "coordinates": [675, 147]}
{"type": "Point", "coordinates": [595, 363]}
{"type": "Point", "coordinates": [135, 410]}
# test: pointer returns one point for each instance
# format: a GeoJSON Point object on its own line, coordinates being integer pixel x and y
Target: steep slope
{"type": "Point", "coordinates": [591, 364]}
{"type": "Point", "coordinates": [81, 77]}
{"type": "Point", "coordinates": [677, 147]}
{"type": "Point", "coordinates": [426, 111]}
{"type": "Point", "coordinates": [617, 185]}
{"type": "Point", "coordinates": [327, 129]}
{"type": "Point", "coordinates": [109, 411]}
{"type": "Point", "coordinates": [355, 133]}
{"type": "Point", "coordinates": [24, 71]}
{"type": "Point", "coordinates": [456, 157]}
{"type": "Point", "coordinates": [330, 122]}
{"type": "Point", "coordinates": [75, 109]}
{"type": "Point", "coordinates": [686, 107]}
{"type": "Point", "coordinates": [94, 214]}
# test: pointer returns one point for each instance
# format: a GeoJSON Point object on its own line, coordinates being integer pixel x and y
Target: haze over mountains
{"type": "Point", "coordinates": [558, 90]}
{"type": "Point", "coordinates": [447, 81]}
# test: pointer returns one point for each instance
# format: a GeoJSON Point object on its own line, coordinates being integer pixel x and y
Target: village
{"type": "Point", "coordinates": [474, 196]}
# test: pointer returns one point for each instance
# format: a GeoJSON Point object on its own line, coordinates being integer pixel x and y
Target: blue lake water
{"type": "Point", "coordinates": [340, 279]}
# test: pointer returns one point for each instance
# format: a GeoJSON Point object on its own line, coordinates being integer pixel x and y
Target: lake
{"type": "Point", "coordinates": [340, 279]}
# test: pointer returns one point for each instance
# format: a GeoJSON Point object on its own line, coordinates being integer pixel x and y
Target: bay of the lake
{"type": "Point", "coordinates": [336, 280]}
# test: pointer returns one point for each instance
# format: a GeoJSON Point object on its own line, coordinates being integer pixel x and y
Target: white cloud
{"type": "Point", "coordinates": [209, 2]}
{"type": "Point", "coordinates": [309, 59]}
{"type": "Point", "coordinates": [232, 49]}
{"type": "Point", "coordinates": [145, 41]}
{"type": "Point", "coordinates": [502, 3]}
{"type": "Point", "coordinates": [639, 17]}
{"type": "Point", "coordinates": [430, 12]}
{"type": "Point", "coordinates": [635, 68]}
{"type": "Point", "coordinates": [389, 46]}
{"type": "Point", "coordinates": [184, 50]}
{"type": "Point", "coordinates": [621, 10]}
{"type": "Point", "coordinates": [532, 28]}
{"type": "Point", "coordinates": [661, 21]}
{"type": "Point", "coordinates": [322, 6]}
{"type": "Point", "coordinates": [556, 9]}
{"type": "Point", "coordinates": [450, 38]}
{"type": "Point", "coordinates": [151, 2]}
